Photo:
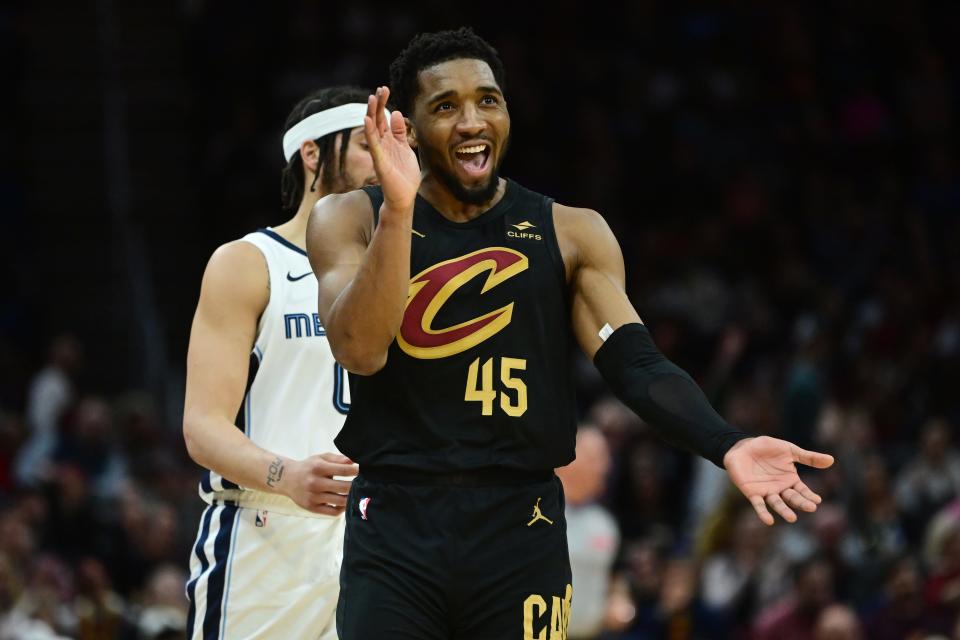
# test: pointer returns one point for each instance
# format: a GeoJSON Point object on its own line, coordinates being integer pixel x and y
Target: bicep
{"type": "Point", "coordinates": [337, 238]}
{"type": "Point", "coordinates": [232, 297]}
{"type": "Point", "coordinates": [599, 294]}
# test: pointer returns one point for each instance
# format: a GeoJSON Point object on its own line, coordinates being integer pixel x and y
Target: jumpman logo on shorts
{"type": "Point", "coordinates": [537, 515]}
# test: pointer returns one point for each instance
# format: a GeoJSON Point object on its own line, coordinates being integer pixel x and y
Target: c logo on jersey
{"type": "Point", "coordinates": [431, 288]}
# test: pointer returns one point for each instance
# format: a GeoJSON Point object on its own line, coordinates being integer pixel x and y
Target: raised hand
{"type": "Point", "coordinates": [764, 469]}
{"type": "Point", "coordinates": [312, 484]}
{"type": "Point", "coordinates": [393, 159]}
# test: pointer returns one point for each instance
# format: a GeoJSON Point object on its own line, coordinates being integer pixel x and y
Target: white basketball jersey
{"type": "Point", "coordinates": [297, 395]}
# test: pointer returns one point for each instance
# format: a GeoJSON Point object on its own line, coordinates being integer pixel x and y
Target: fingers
{"type": "Point", "coordinates": [761, 508]}
{"type": "Point", "coordinates": [374, 122]}
{"type": "Point", "coordinates": [372, 108]}
{"type": "Point", "coordinates": [383, 93]}
{"type": "Point", "coordinates": [794, 499]}
{"type": "Point", "coordinates": [334, 499]}
{"type": "Point", "coordinates": [328, 465]}
{"type": "Point", "coordinates": [326, 509]}
{"type": "Point", "coordinates": [798, 497]}
{"type": "Point", "coordinates": [336, 458]}
{"type": "Point", "coordinates": [805, 491]}
{"type": "Point", "coordinates": [329, 469]}
{"type": "Point", "coordinates": [324, 484]}
{"type": "Point", "coordinates": [777, 504]}
{"type": "Point", "coordinates": [370, 129]}
{"type": "Point", "coordinates": [319, 501]}
{"type": "Point", "coordinates": [812, 458]}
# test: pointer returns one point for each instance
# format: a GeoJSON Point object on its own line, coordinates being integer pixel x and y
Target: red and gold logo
{"type": "Point", "coordinates": [431, 288]}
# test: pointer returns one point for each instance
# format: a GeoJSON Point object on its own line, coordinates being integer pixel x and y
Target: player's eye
{"type": "Point", "coordinates": [489, 99]}
{"type": "Point", "coordinates": [443, 106]}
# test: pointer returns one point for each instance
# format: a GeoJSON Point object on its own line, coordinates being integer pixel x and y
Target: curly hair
{"type": "Point", "coordinates": [292, 178]}
{"type": "Point", "coordinates": [428, 49]}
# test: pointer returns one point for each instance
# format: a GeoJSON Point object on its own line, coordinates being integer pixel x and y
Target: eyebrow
{"type": "Point", "coordinates": [450, 93]}
{"type": "Point", "coordinates": [441, 96]}
{"type": "Point", "coordinates": [490, 89]}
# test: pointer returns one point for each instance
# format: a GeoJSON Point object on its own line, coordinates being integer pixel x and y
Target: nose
{"type": "Point", "coordinates": [471, 123]}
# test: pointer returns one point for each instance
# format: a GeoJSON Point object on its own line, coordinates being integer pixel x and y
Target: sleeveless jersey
{"type": "Point", "coordinates": [297, 394]}
{"type": "Point", "coordinates": [480, 374]}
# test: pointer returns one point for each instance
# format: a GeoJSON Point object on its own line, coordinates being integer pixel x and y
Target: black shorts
{"type": "Point", "coordinates": [466, 557]}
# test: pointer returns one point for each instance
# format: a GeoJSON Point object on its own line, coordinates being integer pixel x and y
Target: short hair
{"type": "Point", "coordinates": [292, 177]}
{"type": "Point", "coordinates": [428, 49]}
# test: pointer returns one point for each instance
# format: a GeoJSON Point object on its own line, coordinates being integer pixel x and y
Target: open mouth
{"type": "Point", "coordinates": [474, 159]}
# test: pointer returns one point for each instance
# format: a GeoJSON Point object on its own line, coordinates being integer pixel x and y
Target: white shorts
{"type": "Point", "coordinates": [262, 574]}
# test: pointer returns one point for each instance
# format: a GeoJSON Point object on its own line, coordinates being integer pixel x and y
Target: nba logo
{"type": "Point", "coordinates": [261, 520]}
{"type": "Point", "coordinates": [363, 507]}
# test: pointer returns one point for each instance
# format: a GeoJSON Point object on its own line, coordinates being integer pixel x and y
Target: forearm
{"type": "Point", "coordinates": [663, 394]}
{"type": "Point", "coordinates": [216, 444]}
{"type": "Point", "coordinates": [365, 318]}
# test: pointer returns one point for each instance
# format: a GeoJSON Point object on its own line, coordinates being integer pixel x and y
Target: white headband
{"type": "Point", "coordinates": [346, 116]}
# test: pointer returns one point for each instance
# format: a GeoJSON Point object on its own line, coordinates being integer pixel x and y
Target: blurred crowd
{"type": "Point", "coordinates": [785, 182]}
{"type": "Point", "coordinates": [97, 509]}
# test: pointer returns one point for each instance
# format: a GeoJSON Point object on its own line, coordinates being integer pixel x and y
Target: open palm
{"type": "Point", "coordinates": [764, 469]}
{"type": "Point", "coordinates": [394, 161]}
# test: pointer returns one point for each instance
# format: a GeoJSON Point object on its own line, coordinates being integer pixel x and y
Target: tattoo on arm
{"type": "Point", "coordinates": [275, 472]}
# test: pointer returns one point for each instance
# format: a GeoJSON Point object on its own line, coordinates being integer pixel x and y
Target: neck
{"type": "Point", "coordinates": [295, 229]}
{"type": "Point", "coordinates": [306, 205]}
{"type": "Point", "coordinates": [452, 208]}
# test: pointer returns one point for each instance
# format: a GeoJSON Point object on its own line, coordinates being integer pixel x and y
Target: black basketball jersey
{"type": "Point", "coordinates": [480, 374]}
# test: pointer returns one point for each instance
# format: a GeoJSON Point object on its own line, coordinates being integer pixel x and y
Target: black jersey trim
{"type": "Point", "coordinates": [553, 247]}
{"type": "Point", "coordinates": [243, 418]}
{"type": "Point", "coordinates": [510, 192]}
{"type": "Point", "coordinates": [270, 233]}
{"type": "Point", "coordinates": [375, 193]}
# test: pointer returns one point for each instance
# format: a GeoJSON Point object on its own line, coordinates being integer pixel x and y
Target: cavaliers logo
{"type": "Point", "coordinates": [431, 288]}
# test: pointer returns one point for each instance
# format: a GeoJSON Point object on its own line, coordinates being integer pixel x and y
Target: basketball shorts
{"type": "Point", "coordinates": [475, 556]}
{"type": "Point", "coordinates": [255, 573]}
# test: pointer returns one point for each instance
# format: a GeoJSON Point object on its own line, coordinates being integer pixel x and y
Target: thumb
{"type": "Point", "coordinates": [812, 458]}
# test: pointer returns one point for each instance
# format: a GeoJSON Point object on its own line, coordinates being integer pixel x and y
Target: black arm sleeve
{"type": "Point", "coordinates": [663, 394]}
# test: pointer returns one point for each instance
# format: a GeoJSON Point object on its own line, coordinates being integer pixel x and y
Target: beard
{"type": "Point", "coordinates": [344, 182]}
{"type": "Point", "coordinates": [475, 195]}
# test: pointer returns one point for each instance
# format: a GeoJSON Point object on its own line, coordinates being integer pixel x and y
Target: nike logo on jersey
{"type": "Point", "coordinates": [293, 278]}
{"type": "Point", "coordinates": [417, 233]}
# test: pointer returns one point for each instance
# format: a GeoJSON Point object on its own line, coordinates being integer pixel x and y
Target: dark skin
{"type": "Point", "coordinates": [460, 105]}
{"type": "Point", "coordinates": [364, 272]}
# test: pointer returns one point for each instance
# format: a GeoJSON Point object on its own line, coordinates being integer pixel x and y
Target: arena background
{"type": "Point", "coordinates": [783, 178]}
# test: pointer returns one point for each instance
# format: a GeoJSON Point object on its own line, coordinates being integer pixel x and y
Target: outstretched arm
{"type": "Point", "coordinates": [364, 275]}
{"type": "Point", "coordinates": [610, 332]}
{"type": "Point", "coordinates": [233, 295]}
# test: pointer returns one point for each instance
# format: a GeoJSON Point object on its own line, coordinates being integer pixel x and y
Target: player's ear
{"type": "Point", "coordinates": [411, 134]}
{"type": "Point", "coordinates": [310, 155]}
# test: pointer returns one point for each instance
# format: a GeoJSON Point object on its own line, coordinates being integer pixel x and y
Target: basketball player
{"type": "Point", "coordinates": [265, 399]}
{"type": "Point", "coordinates": [450, 293]}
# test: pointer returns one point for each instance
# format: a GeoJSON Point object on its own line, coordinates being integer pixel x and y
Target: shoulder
{"type": "Point", "coordinates": [581, 233]}
{"type": "Point", "coordinates": [351, 203]}
{"type": "Point", "coordinates": [577, 218]}
{"type": "Point", "coordinates": [340, 213]}
{"type": "Point", "coordinates": [237, 254]}
{"type": "Point", "coordinates": [237, 270]}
